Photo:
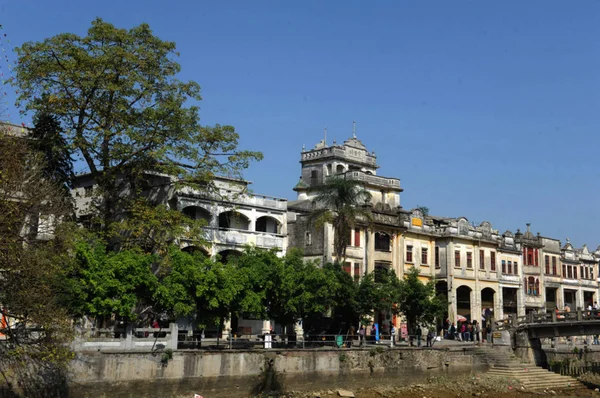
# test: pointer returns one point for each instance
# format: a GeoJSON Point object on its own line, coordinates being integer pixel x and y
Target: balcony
{"type": "Point", "coordinates": [373, 180]}
{"type": "Point", "coordinates": [240, 237]}
{"type": "Point", "coordinates": [188, 196]}
{"type": "Point", "coordinates": [341, 152]}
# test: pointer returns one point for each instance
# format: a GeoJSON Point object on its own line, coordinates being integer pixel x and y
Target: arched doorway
{"type": "Point", "coordinates": [196, 249]}
{"type": "Point", "coordinates": [487, 298]}
{"type": "Point", "coordinates": [233, 220]}
{"type": "Point", "coordinates": [228, 255]}
{"type": "Point", "coordinates": [267, 224]}
{"type": "Point", "coordinates": [197, 213]}
{"type": "Point", "coordinates": [463, 302]}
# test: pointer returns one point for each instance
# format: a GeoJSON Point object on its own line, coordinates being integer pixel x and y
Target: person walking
{"type": "Point", "coordinates": [452, 332]}
{"type": "Point", "coordinates": [361, 335]}
{"type": "Point", "coordinates": [476, 331]}
{"type": "Point", "coordinates": [430, 338]}
{"type": "Point", "coordinates": [419, 333]}
{"type": "Point", "coordinates": [392, 335]}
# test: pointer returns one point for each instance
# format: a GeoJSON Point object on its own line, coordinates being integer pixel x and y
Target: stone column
{"type": "Point", "coordinates": [498, 312]}
{"type": "Point", "coordinates": [252, 225]}
{"type": "Point", "coordinates": [399, 257]}
{"type": "Point", "coordinates": [560, 298]}
{"type": "Point", "coordinates": [298, 329]}
{"type": "Point", "coordinates": [173, 336]}
{"type": "Point", "coordinates": [370, 263]}
{"type": "Point", "coordinates": [579, 299]}
{"type": "Point", "coordinates": [266, 326]}
{"type": "Point", "coordinates": [226, 329]}
{"type": "Point", "coordinates": [452, 308]}
{"type": "Point", "coordinates": [328, 242]}
{"type": "Point", "coordinates": [521, 301]}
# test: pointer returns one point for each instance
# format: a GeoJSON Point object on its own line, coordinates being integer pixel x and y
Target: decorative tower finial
{"type": "Point", "coordinates": [325, 140]}
{"type": "Point", "coordinates": [353, 129]}
{"type": "Point", "coordinates": [303, 148]}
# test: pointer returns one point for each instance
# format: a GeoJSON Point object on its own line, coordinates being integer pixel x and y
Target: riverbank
{"type": "Point", "coordinates": [477, 385]}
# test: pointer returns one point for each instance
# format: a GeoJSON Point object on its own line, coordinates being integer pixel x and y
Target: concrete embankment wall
{"type": "Point", "coordinates": [244, 373]}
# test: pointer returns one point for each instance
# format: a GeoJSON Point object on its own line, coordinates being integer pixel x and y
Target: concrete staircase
{"type": "Point", "coordinates": [531, 377]}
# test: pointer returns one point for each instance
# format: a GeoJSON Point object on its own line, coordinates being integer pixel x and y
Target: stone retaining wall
{"type": "Point", "coordinates": [244, 373]}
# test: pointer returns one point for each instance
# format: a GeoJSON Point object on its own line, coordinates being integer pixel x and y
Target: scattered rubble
{"type": "Point", "coordinates": [442, 387]}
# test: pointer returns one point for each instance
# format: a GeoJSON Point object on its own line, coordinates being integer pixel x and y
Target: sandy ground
{"type": "Point", "coordinates": [472, 386]}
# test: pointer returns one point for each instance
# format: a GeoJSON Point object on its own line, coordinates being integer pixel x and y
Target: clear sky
{"type": "Point", "coordinates": [483, 109]}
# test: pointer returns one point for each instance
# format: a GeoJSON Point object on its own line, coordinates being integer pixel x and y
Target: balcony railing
{"type": "Point", "coordinates": [359, 155]}
{"type": "Point", "coordinates": [383, 182]}
{"type": "Point", "coordinates": [243, 237]}
{"type": "Point", "coordinates": [188, 194]}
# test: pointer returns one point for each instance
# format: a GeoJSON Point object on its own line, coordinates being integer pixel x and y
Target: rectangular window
{"type": "Point", "coordinates": [510, 267]}
{"type": "Point", "coordinates": [547, 263]}
{"type": "Point", "coordinates": [493, 261]}
{"type": "Point", "coordinates": [587, 273]}
{"type": "Point", "coordinates": [553, 265]}
{"type": "Point", "coordinates": [481, 259]}
{"type": "Point", "coordinates": [457, 258]}
{"type": "Point", "coordinates": [357, 237]}
{"type": "Point", "coordinates": [424, 256]}
{"type": "Point", "coordinates": [307, 239]}
{"type": "Point", "coordinates": [382, 242]}
{"type": "Point", "coordinates": [516, 267]}
{"type": "Point", "coordinates": [469, 260]}
{"type": "Point", "coordinates": [356, 270]}
{"type": "Point", "coordinates": [504, 266]}
{"type": "Point", "coordinates": [437, 257]}
{"type": "Point", "coordinates": [346, 267]}
{"type": "Point", "coordinates": [564, 271]}
{"type": "Point", "coordinates": [574, 272]}
{"type": "Point", "coordinates": [581, 272]}
{"type": "Point", "coordinates": [409, 254]}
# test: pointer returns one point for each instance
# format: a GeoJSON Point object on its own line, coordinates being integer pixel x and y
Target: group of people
{"type": "Point", "coordinates": [466, 331]}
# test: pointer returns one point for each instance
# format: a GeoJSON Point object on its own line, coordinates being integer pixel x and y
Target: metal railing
{"type": "Point", "coordinates": [546, 318]}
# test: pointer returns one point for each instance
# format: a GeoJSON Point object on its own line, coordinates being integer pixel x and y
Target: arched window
{"type": "Point", "coordinates": [536, 291]}
{"type": "Point", "coordinates": [340, 169]}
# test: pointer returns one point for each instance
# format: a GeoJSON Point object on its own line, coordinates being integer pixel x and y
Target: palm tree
{"type": "Point", "coordinates": [341, 203]}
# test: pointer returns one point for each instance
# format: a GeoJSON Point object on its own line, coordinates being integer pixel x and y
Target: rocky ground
{"type": "Point", "coordinates": [472, 386]}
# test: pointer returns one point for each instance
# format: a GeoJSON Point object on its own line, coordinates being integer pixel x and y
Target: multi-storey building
{"type": "Point", "coordinates": [531, 247]}
{"type": "Point", "coordinates": [553, 296]}
{"type": "Point", "coordinates": [370, 248]}
{"type": "Point", "coordinates": [510, 280]}
{"type": "Point", "coordinates": [479, 270]}
{"type": "Point", "coordinates": [234, 217]}
{"type": "Point", "coordinates": [467, 266]}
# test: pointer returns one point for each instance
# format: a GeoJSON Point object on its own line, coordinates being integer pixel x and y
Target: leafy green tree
{"type": "Point", "coordinates": [340, 203]}
{"type": "Point", "coordinates": [47, 138]}
{"type": "Point", "coordinates": [285, 289]}
{"type": "Point", "coordinates": [103, 284]}
{"type": "Point", "coordinates": [418, 301]}
{"type": "Point", "coordinates": [378, 291]}
{"type": "Point", "coordinates": [34, 355]}
{"type": "Point", "coordinates": [124, 111]}
{"type": "Point", "coordinates": [345, 308]}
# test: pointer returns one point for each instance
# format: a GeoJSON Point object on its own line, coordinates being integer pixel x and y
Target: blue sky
{"type": "Point", "coordinates": [483, 109]}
